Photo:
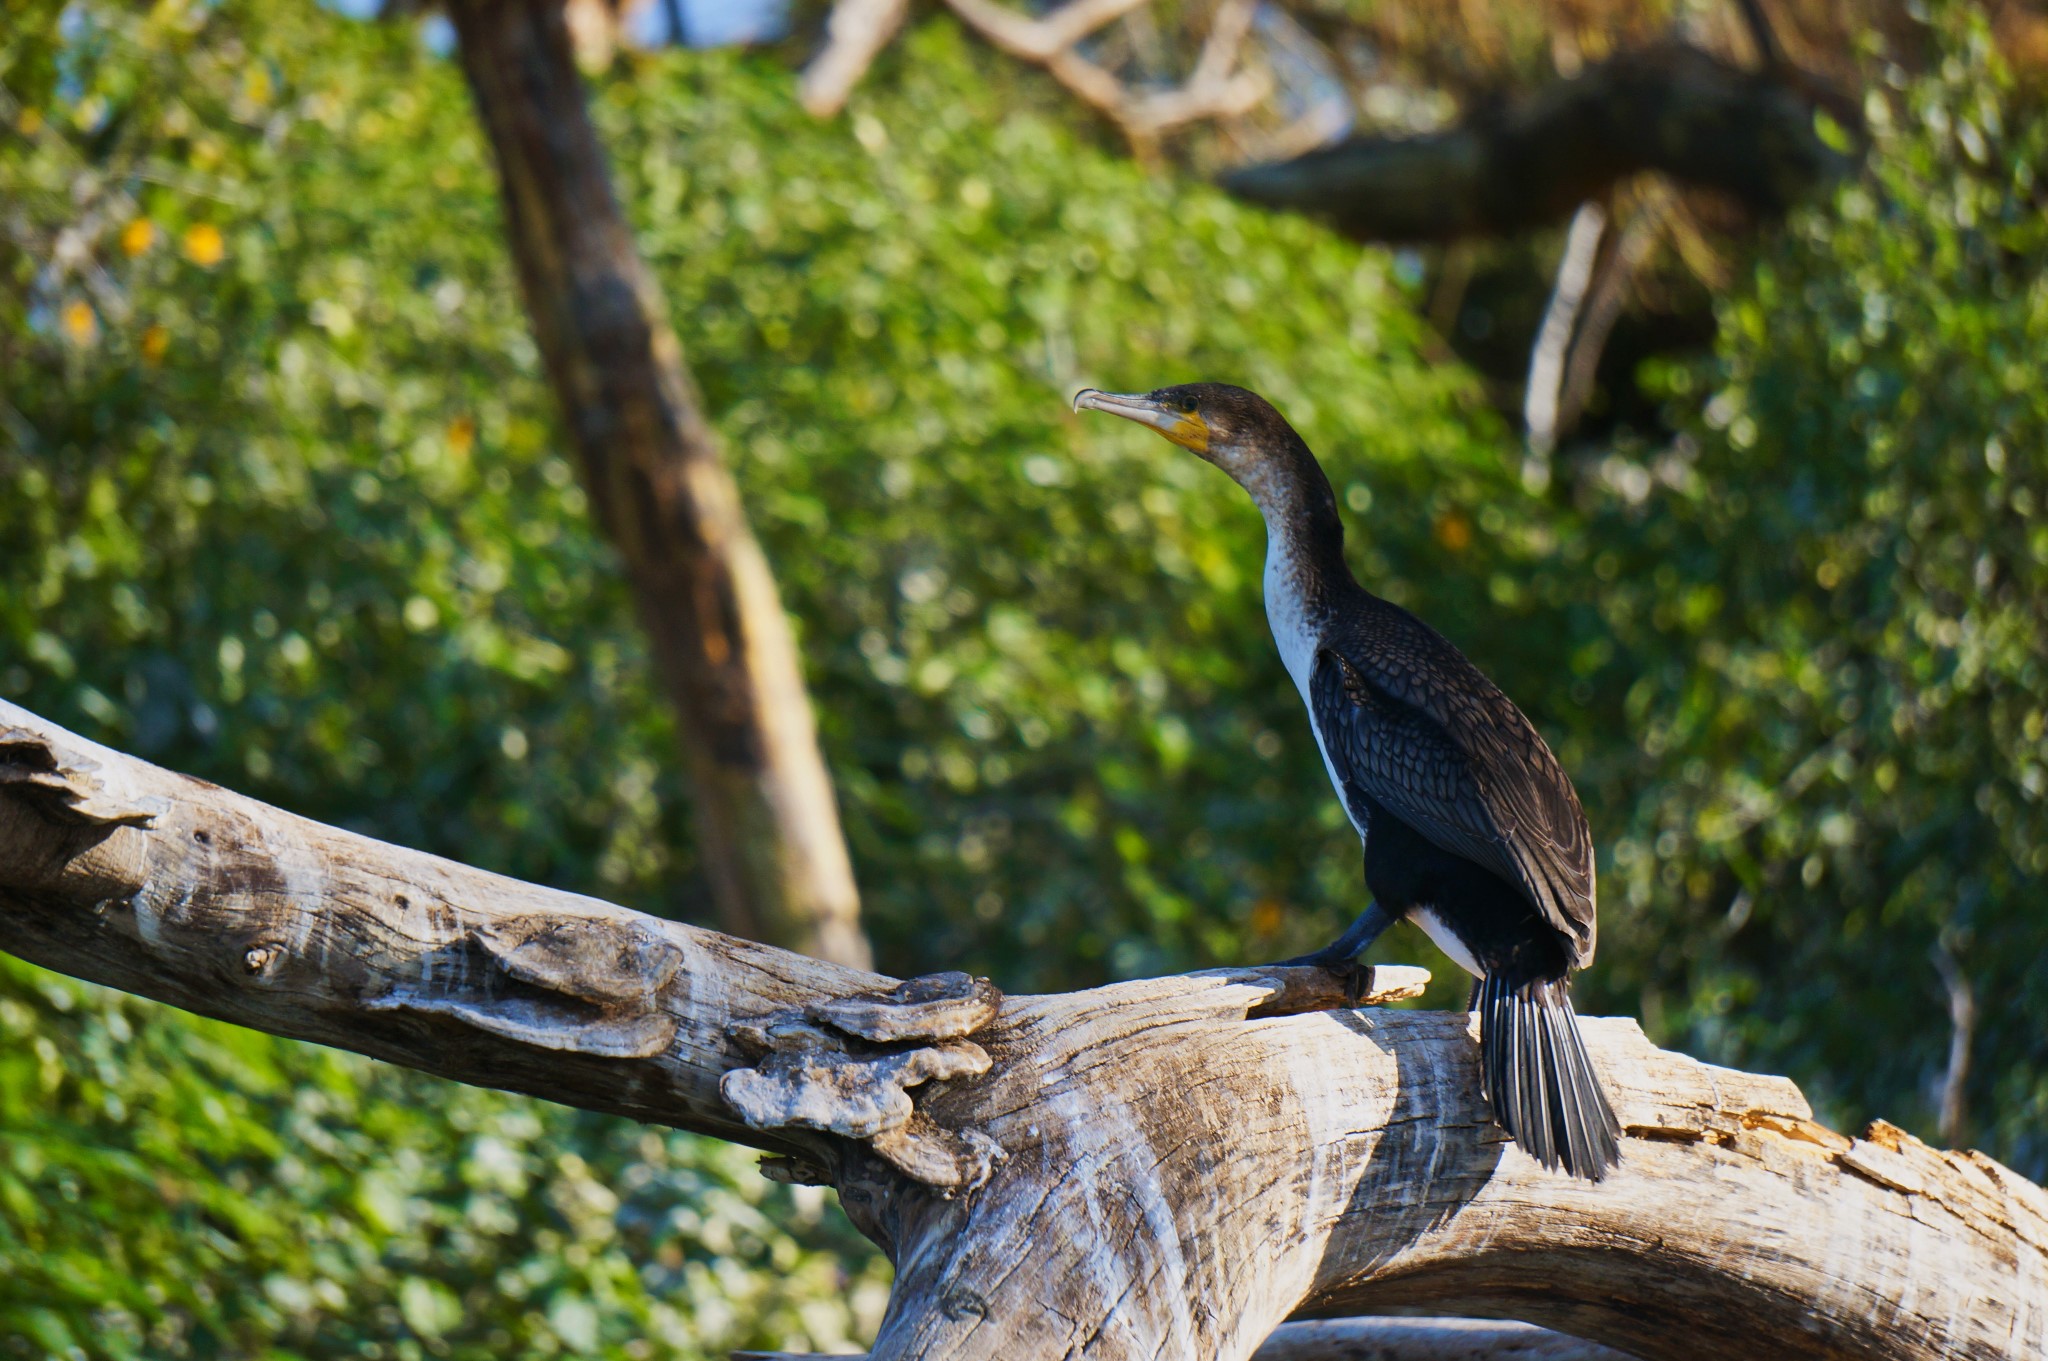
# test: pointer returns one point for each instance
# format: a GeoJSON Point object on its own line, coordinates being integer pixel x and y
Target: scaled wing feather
{"type": "Point", "coordinates": [1473, 777]}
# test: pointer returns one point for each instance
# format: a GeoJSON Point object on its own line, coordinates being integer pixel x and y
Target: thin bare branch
{"type": "Point", "coordinates": [854, 35]}
{"type": "Point", "coordinates": [1215, 89]}
{"type": "Point", "coordinates": [1770, 53]}
{"type": "Point", "coordinates": [1046, 36]}
{"type": "Point", "coordinates": [1553, 338]}
{"type": "Point", "coordinates": [1962, 1019]}
{"type": "Point", "coordinates": [1612, 276]}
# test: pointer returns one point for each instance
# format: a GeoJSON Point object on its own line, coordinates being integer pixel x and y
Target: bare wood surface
{"type": "Point", "coordinates": [1216, 88]}
{"type": "Point", "coordinates": [1375, 1339]}
{"type": "Point", "coordinates": [1164, 1167]}
{"type": "Point", "coordinates": [1553, 339]}
{"type": "Point", "coordinates": [1426, 1339]}
{"type": "Point", "coordinates": [855, 34]}
{"type": "Point", "coordinates": [1672, 109]}
{"type": "Point", "coordinates": [768, 831]}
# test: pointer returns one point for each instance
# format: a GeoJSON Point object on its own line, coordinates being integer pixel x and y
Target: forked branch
{"type": "Point", "coordinates": [1167, 1167]}
{"type": "Point", "coordinates": [857, 30]}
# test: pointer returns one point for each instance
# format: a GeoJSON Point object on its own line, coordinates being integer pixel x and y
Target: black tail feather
{"type": "Point", "coordinates": [1539, 1080]}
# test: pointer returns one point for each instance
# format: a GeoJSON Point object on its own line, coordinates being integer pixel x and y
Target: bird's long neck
{"type": "Point", "coordinates": [1305, 575]}
{"type": "Point", "coordinates": [1304, 536]}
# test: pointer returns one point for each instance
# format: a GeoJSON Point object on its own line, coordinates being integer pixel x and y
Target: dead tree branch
{"type": "Point", "coordinates": [1644, 226]}
{"type": "Point", "coordinates": [1216, 88]}
{"type": "Point", "coordinates": [768, 830]}
{"type": "Point", "coordinates": [857, 30]}
{"type": "Point", "coordinates": [855, 35]}
{"type": "Point", "coordinates": [1426, 1339]}
{"type": "Point", "coordinates": [1379, 1339]}
{"type": "Point", "coordinates": [1167, 1167]}
{"type": "Point", "coordinates": [1674, 109]}
{"type": "Point", "coordinates": [1962, 1019]}
{"type": "Point", "coordinates": [1554, 338]}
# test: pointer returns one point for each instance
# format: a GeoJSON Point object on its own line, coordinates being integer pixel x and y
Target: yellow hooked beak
{"type": "Point", "coordinates": [1185, 428]}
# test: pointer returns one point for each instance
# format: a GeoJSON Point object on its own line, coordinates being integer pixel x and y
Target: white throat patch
{"type": "Point", "coordinates": [1287, 611]}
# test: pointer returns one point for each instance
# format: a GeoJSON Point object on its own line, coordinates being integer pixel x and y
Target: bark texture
{"type": "Point", "coordinates": [1162, 1168]}
{"type": "Point", "coordinates": [1379, 1339]}
{"type": "Point", "coordinates": [1433, 1339]}
{"type": "Point", "coordinates": [768, 830]}
{"type": "Point", "coordinates": [1672, 109]}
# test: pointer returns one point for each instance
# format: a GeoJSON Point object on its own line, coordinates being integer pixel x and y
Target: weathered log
{"type": "Point", "coordinates": [1435, 1339]}
{"type": "Point", "coordinates": [1166, 1167]}
{"type": "Point", "coordinates": [1376, 1339]}
{"type": "Point", "coordinates": [768, 830]}
{"type": "Point", "coordinates": [1673, 109]}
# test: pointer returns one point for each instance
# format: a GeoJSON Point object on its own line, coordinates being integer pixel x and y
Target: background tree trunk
{"type": "Point", "coordinates": [1166, 1167]}
{"type": "Point", "coordinates": [767, 825]}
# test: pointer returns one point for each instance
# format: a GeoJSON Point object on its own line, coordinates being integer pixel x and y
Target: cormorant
{"type": "Point", "coordinates": [1470, 827]}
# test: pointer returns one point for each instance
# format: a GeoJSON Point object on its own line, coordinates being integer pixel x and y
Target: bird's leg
{"type": "Point", "coordinates": [1340, 956]}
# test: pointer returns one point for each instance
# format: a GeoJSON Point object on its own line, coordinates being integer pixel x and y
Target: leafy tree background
{"type": "Point", "coordinates": [282, 505]}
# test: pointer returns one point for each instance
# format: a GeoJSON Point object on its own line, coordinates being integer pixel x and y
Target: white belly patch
{"type": "Point", "coordinates": [1446, 939]}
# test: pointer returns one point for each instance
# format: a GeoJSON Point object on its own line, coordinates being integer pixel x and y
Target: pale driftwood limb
{"type": "Point", "coordinates": [1184, 1162]}
{"type": "Point", "coordinates": [1614, 275]}
{"type": "Point", "coordinates": [1962, 1020]}
{"type": "Point", "coordinates": [1426, 1339]}
{"type": "Point", "coordinates": [1554, 338]}
{"type": "Point", "coordinates": [855, 34]}
{"type": "Point", "coordinates": [1215, 89]}
{"type": "Point", "coordinates": [1375, 1339]}
{"type": "Point", "coordinates": [1040, 38]}
{"type": "Point", "coordinates": [857, 30]}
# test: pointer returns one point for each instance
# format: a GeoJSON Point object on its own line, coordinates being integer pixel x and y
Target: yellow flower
{"type": "Point", "coordinates": [79, 323]}
{"type": "Point", "coordinates": [1454, 531]}
{"type": "Point", "coordinates": [203, 245]}
{"type": "Point", "coordinates": [155, 340]}
{"type": "Point", "coordinates": [138, 236]}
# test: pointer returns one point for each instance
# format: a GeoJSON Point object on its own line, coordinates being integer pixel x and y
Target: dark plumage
{"type": "Point", "coordinates": [1470, 827]}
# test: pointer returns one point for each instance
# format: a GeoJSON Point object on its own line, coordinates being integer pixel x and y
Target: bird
{"type": "Point", "coordinates": [1470, 827]}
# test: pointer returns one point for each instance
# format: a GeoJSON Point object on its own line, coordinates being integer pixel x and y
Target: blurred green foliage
{"type": "Point", "coordinates": [1835, 588]}
{"type": "Point", "coordinates": [283, 506]}
{"type": "Point", "coordinates": [172, 1187]}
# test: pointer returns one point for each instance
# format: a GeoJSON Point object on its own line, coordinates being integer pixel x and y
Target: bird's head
{"type": "Point", "coordinates": [1236, 430]}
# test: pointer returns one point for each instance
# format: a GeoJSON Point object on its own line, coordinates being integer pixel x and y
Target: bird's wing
{"type": "Point", "coordinates": [1473, 777]}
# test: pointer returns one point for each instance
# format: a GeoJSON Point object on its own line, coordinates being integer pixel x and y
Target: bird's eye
{"type": "Point", "coordinates": [1188, 405]}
